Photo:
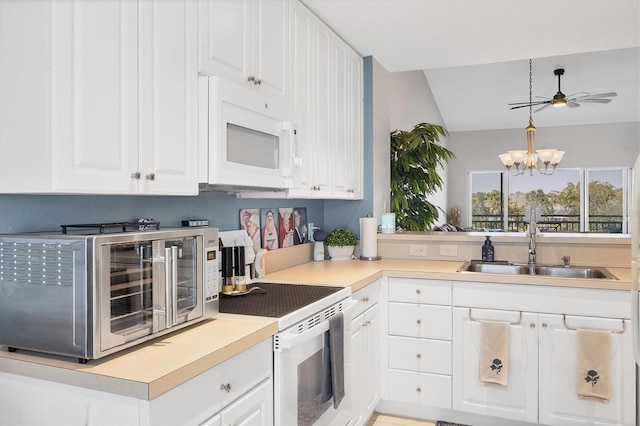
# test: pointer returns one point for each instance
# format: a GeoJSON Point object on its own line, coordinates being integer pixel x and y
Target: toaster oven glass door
{"type": "Point", "coordinates": [146, 287]}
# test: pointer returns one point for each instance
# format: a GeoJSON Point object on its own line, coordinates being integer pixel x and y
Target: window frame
{"type": "Point", "coordinates": [583, 174]}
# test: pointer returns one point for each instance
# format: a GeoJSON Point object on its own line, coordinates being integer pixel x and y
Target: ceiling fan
{"type": "Point", "coordinates": [571, 101]}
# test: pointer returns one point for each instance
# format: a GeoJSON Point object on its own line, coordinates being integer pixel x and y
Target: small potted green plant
{"type": "Point", "coordinates": [341, 243]}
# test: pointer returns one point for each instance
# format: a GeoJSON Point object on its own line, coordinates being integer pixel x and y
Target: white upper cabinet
{"type": "Point", "coordinates": [98, 97]}
{"type": "Point", "coordinates": [246, 41]}
{"type": "Point", "coordinates": [326, 90]}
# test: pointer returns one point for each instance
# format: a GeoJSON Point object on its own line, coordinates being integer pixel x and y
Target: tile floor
{"type": "Point", "coordinates": [388, 420]}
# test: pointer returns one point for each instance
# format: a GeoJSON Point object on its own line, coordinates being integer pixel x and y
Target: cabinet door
{"type": "Point", "coordinates": [270, 48]}
{"type": "Point", "coordinates": [224, 37]}
{"type": "Point", "coordinates": [300, 96]}
{"type": "Point", "coordinates": [371, 352]}
{"type": "Point", "coordinates": [94, 96]}
{"type": "Point", "coordinates": [518, 400]}
{"type": "Point", "coordinates": [323, 142]}
{"type": "Point", "coordinates": [253, 408]}
{"type": "Point", "coordinates": [340, 119]}
{"type": "Point", "coordinates": [358, 370]}
{"type": "Point", "coordinates": [169, 97]}
{"type": "Point", "coordinates": [559, 402]}
{"type": "Point", "coordinates": [355, 126]}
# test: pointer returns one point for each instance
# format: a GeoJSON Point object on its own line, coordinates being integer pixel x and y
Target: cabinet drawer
{"type": "Point", "coordinates": [366, 297]}
{"type": "Point", "coordinates": [244, 371]}
{"type": "Point", "coordinates": [423, 355]}
{"type": "Point", "coordinates": [201, 397]}
{"type": "Point", "coordinates": [432, 390]}
{"type": "Point", "coordinates": [426, 321]}
{"type": "Point", "coordinates": [413, 290]}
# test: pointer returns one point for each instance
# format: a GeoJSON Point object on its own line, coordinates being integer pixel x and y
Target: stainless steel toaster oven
{"type": "Point", "coordinates": [88, 296]}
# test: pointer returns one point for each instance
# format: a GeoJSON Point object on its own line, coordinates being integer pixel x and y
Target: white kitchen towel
{"type": "Point", "coordinates": [494, 352]}
{"type": "Point", "coordinates": [593, 364]}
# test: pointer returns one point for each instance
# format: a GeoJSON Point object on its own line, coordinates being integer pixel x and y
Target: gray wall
{"type": "Point", "coordinates": [596, 145]}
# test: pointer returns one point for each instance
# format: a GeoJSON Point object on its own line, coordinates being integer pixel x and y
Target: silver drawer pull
{"type": "Point", "coordinates": [151, 177]}
{"type": "Point", "coordinates": [532, 325]}
{"type": "Point", "coordinates": [418, 291]}
{"type": "Point", "coordinates": [226, 387]}
{"type": "Point", "coordinates": [419, 321]}
{"type": "Point", "coordinates": [418, 355]}
{"type": "Point", "coordinates": [418, 389]}
{"type": "Point", "coordinates": [135, 175]}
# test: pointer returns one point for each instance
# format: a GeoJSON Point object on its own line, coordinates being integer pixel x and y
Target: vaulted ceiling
{"type": "Point", "coordinates": [475, 53]}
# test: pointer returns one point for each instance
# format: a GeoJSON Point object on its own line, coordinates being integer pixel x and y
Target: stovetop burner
{"type": "Point", "coordinates": [276, 301]}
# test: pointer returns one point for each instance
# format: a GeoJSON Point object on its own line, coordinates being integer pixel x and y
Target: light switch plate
{"type": "Point", "coordinates": [448, 250]}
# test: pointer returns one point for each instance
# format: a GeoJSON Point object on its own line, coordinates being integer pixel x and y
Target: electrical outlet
{"type": "Point", "coordinates": [417, 250]}
{"type": "Point", "coordinates": [448, 250]}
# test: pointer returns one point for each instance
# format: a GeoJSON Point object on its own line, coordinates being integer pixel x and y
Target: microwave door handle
{"type": "Point", "coordinates": [287, 153]}
{"type": "Point", "coordinates": [174, 285]}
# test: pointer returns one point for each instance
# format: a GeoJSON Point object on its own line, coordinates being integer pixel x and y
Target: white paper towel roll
{"type": "Point", "coordinates": [369, 237]}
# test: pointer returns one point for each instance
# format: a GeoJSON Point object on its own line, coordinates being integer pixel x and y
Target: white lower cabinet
{"type": "Point", "coordinates": [419, 342]}
{"type": "Point", "coordinates": [518, 400]}
{"type": "Point", "coordinates": [238, 391]}
{"type": "Point", "coordinates": [253, 408]}
{"type": "Point", "coordinates": [559, 402]}
{"type": "Point", "coordinates": [543, 354]}
{"type": "Point", "coordinates": [365, 346]}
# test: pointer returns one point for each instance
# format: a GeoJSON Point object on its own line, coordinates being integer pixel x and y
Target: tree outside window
{"type": "Point", "coordinates": [564, 206]}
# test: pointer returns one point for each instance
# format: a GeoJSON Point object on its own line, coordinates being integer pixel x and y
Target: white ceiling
{"type": "Point", "coordinates": [475, 53]}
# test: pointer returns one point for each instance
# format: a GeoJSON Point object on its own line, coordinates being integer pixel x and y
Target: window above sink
{"type": "Point", "coordinates": [593, 200]}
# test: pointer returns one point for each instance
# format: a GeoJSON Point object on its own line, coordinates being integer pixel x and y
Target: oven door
{"type": "Point", "coordinates": [148, 286]}
{"type": "Point", "coordinates": [298, 373]}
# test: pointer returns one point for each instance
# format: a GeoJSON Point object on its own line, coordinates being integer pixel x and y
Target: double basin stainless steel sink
{"type": "Point", "coordinates": [550, 271]}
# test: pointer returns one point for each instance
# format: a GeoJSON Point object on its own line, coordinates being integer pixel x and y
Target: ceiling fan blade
{"type": "Point", "coordinates": [543, 97]}
{"type": "Point", "coordinates": [527, 105]}
{"type": "Point", "coordinates": [597, 101]}
{"type": "Point", "coordinates": [542, 107]}
{"type": "Point", "coordinates": [578, 95]}
{"type": "Point", "coordinates": [603, 95]}
{"type": "Point", "coordinates": [572, 104]}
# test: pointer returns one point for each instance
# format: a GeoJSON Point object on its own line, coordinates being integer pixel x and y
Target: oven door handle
{"type": "Point", "coordinates": [288, 341]}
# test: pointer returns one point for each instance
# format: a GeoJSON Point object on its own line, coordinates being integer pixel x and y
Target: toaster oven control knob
{"type": "Point", "coordinates": [135, 175]}
{"type": "Point", "coordinates": [151, 177]}
{"type": "Point", "coordinates": [226, 387]}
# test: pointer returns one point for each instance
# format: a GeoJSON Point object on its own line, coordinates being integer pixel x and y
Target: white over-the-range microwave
{"type": "Point", "coordinates": [247, 139]}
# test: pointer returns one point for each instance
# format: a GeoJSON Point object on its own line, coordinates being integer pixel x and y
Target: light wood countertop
{"type": "Point", "coordinates": [152, 368]}
{"type": "Point", "coordinates": [359, 273]}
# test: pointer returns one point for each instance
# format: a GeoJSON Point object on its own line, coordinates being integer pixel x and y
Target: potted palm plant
{"type": "Point", "coordinates": [340, 243]}
{"type": "Point", "coordinates": [416, 156]}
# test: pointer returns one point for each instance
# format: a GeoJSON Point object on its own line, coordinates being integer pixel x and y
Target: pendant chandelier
{"type": "Point", "coordinates": [519, 161]}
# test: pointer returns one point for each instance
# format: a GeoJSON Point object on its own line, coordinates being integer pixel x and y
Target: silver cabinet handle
{"type": "Point", "coordinates": [418, 355]}
{"type": "Point", "coordinates": [418, 390]}
{"type": "Point", "coordinates": [135, 175]}
{"type": "Point", "coordinates": [251, 78]}
{"type": "Point", "coordinates": [365, 299]}
{"type": "Point", "coordinates": [257, 81]}
{"type": "Point", "coordinates": [226, 387]}
{"type": "Point", "coordinates": [544, 325]}
{"type": "Point", "coordinates": [418, 291]}
{"type": "Point", "coordinates": [419, 321]}
{"type": "Point", "coordinates": [151, 177]}
{"type": "Point", "coordinates": [532, 325]}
